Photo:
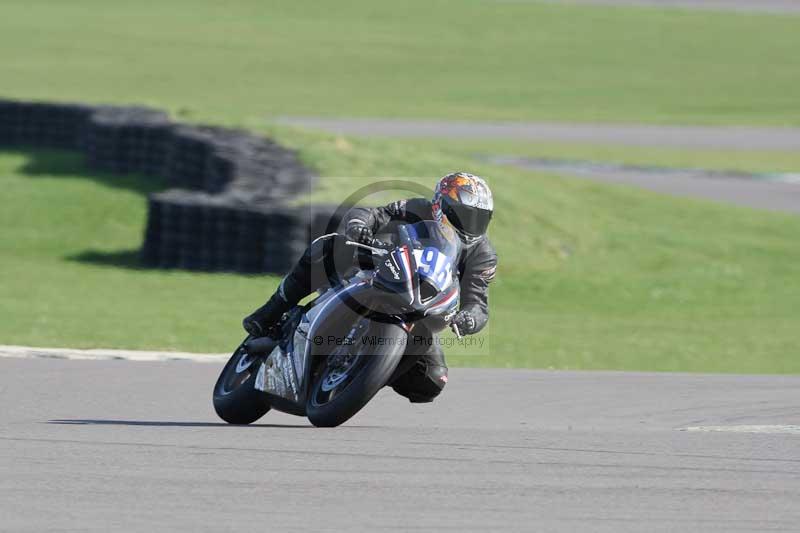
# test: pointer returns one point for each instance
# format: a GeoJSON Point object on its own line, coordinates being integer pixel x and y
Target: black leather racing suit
{"type": "Point", "coordinates": [477, 265]}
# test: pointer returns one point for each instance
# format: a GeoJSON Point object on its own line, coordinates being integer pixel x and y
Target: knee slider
{"type": "Point", "coordinates": [423, 383]}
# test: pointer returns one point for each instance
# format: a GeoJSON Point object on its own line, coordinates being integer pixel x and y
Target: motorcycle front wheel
{"type": "Point", "coordinates": [346, 382]}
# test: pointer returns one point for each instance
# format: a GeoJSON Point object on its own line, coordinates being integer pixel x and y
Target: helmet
{"type": "Point", "coordinates": [465, 202]}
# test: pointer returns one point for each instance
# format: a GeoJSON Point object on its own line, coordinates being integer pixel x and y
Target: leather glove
{"type": "Point", "coordinates": [465, 323]}
{"type": "Point", "coordinates": [359, 234]}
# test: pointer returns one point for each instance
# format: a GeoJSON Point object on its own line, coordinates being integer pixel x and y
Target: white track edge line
{"type": "Point", "coordinates": [30, 352]}
{"type": "Point", "coordinates": [754, 428]}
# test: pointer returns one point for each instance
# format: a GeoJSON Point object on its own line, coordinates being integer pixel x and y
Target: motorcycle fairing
{"type": "Point", "coordinates": [445, 303]}
{"type": "Point", "coordinates": [405, 258]}
{"type": "Point", "coordinates": [279, 378]}
{"type": "Point", "coordinates": [287, 369]}
{"type": "Point", "coordinates": [279, 372]}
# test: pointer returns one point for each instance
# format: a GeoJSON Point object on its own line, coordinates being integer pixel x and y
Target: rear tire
{"type": "Point", "coordinates": [236, 399]}
{"type": "Point", "coordinates": [375, 365]}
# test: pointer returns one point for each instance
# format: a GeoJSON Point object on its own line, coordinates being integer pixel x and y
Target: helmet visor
{"type": "Point", "coordinates": [469, 220]}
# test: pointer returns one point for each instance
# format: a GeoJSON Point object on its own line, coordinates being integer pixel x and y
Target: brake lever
{"type": "Point", "coordinates": [455, 329]}
{"type": "Point", "coordinates": [377, 251]}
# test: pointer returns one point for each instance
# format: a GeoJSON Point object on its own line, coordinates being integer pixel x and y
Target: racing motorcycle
{"type": "Point", "coordinates": [335, 353]}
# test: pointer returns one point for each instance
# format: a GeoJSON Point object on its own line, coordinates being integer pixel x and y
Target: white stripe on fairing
{"type": "Point", "coordinates": [777, 428]}
{"type": "Point", "coordinates": [30, 352]}
{"type": "Point", "coordinates": [407, 267]}
{"type": "Point", "coordinates": [312, 326]}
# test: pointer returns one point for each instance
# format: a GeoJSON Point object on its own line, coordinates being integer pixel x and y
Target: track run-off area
{"type": "Point", "coordinates": [770, 192]}
{"type": "Point", "coordinates": [135, 446]}
{"type": "Point", "coordinates": [716, 137]}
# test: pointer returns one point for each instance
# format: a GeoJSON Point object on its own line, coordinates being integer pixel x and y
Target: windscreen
{"type": "Point", "coordinates": [436, 249]}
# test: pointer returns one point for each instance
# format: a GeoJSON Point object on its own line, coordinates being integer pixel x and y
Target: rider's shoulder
{"type": "Point", "coordinates": [483, 252]}
{"type": "Point", "coordinates": [482, 260]}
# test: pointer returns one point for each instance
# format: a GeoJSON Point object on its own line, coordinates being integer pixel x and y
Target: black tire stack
{"type": "Point", "coordinates": [227, 210]}
{"type": "Point", "coordinates": [43, 125]}
{"type": "Point", "coordinates": [126, 140]}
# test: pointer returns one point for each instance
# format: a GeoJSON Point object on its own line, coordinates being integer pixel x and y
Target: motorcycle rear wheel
{"type": "Point", "coordinates": [236, 400]}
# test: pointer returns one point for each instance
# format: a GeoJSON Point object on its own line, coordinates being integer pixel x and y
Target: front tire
{"type": "Point", "coordinates": [236, 400]}
{"type": "Point", "coordinates": [335, 398]}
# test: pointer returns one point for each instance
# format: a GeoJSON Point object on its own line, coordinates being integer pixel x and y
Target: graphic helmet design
{"type": "Point", "coordinates": [465, 202]}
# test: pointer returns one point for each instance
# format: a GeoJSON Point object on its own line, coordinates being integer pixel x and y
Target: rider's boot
{"type": "Point", "coordinates": [295, 286]}
{"type": "Point", "coordinates": [264, 321]}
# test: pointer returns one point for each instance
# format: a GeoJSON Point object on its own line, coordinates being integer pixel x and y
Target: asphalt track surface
{"type": "Point", "coordinates": [738, 189]}
{"type": "Point", "coordinates": [710, 137]}
{"type": "Point", "coordinates": [135, 446]}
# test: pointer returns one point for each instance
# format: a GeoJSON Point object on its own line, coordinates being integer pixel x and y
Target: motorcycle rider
{"type": "Point", "coordinates": [461, 200]}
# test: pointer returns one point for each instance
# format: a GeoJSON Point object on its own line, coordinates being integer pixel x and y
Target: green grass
{"type": "Point", "coordinates": [591, 276]}
{"type": "Point", "coordinates": [68, 241]}
{"type": "Point", "coordinates": [466, 59]}
{"type": "Point", "coordinates": [756, 161]}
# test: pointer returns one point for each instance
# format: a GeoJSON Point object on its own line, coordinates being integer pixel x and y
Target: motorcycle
{"type": "Point", "coordinates": [336, 352]}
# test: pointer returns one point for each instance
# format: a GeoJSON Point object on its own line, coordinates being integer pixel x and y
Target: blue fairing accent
{"type": "Point", "coordinates": [412, 232]}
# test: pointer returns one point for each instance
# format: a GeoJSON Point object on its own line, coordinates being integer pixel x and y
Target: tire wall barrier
{"type": "Point", "coordinates": [226, 208]}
